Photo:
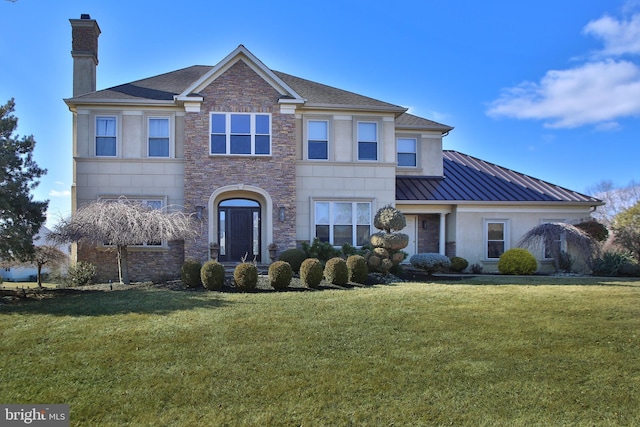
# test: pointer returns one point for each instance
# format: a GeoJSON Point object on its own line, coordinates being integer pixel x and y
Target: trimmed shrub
{"type": "Point", "coordinates": [294, 257]}
{"type": "Point", "coordinates": [430, 262]}
{"type": "Point", "coordinates": [458, 264]}
{"type": "Point", "coordinates": [517, 261]}
{"type": "Point", "coordinates": [389, 219]}
{"type": "Point", "coordinates": [190, 273]}
{"type": "Point", "coordinates": [311, 272]}
{"type": "Point", "coordinates": [477, 268]}
{"type": "Point", "coordinates": [81, 273]}
{"type": "Point", "coordinates": [336, 271]}
{"type": "Point", "coordinates": [246, 277]}
{"type": "Point", "coordinates": [280, 274]}
{"type": "Point", "coordinates": [212, 275]}
{"type": "Point", "coordinates": [357, 268]}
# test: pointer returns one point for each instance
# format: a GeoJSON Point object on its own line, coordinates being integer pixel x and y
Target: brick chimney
{"type": "Point", "coordinates": [84, 50]}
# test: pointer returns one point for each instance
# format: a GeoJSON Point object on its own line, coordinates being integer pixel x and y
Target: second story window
{"type": "Point", "coordinates": [318, 140]}
{"type": "Point", "coordinates": [367, 141]}
{"type": "Point", "coordinates": [105, 136]}
{"type": "Point", "coordinates": [240, 134]}
{"type": "Point", "coordinates": [159, 137]}
{"type": "Point", "coordinates": [407, 154]}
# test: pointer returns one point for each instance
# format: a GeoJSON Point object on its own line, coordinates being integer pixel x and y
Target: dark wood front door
{"type": "Point", "coordinates": [239, 233]}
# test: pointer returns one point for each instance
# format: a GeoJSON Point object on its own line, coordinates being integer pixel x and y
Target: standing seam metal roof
{"type": "Point", "coordinates": [469, 179]}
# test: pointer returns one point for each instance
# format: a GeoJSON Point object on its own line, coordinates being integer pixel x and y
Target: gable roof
{"type": "Point", "coordinates": [469, 179]}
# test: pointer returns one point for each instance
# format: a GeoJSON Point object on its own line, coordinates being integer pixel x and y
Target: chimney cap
{"type": "Point", "coordinates": [85, 16]}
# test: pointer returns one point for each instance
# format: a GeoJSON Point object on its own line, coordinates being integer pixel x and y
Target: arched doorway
{"type": "Point", "coordinates": [239, 230]}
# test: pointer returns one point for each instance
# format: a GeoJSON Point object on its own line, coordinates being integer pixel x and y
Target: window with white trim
{"type": "Point", "coordinates": [240, 134]}
{"type": "Point", "coordinates": [496, 238]}
{"type": "Point", "coordinates": [318, 140]}
{"type": "Point", "coordinates": [407, 152]}
{"type": "Point", "coordinates": [158, 131]}
{"type": "Point", "coordinates": [106, 141]}
{"type": "Point", "coordinates": [368, 141]}
{"type": "Point", "coordinates": [339, 222]}
{"type": "Point", "coordinates": [559, 245]}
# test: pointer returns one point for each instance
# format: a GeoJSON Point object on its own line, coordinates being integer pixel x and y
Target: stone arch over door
{"type": "Point", "coordinates": [249, 192]}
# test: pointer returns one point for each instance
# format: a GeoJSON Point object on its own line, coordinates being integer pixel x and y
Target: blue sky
{"type": "Point", "coordinates": [547, 88]}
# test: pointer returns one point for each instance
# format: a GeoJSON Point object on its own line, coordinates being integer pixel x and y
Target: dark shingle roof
{"type": "Point", "coordinates": [409, 121]}
{"type": "Point", "coordinates": [469, 179]}
{"type": "Point", "coordinates": [320, 94]}
{"type": "Point", "coordinates": [157, 88]}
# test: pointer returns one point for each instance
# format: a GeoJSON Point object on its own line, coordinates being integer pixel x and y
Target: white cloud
{"type": "Point", "coordinates": [620, 37]}
{"type": "Point", "coordinates": [593, 93]}
{"type": "Point", "coordinates": [56, 193]}
{"type": "Point", "coordinates": [598, 92]}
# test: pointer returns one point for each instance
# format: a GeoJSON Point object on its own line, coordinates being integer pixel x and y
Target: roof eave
{"type": "Point", "coordinates": [345, 107]}
{"type": "Point", "coordinates": [72, 102]}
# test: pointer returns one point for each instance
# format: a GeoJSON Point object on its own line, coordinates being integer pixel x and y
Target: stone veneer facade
{"type": "Point", "coordinates": [240, 89]}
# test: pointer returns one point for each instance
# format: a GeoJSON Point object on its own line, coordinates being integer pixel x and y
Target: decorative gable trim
{"type": "Point", "coordinates": [289, 96]}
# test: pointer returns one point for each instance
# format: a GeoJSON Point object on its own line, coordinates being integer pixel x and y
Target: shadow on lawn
{"type": "Point", "coordinates": [99, 303]}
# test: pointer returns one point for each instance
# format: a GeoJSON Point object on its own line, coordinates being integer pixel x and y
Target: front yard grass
{"type": "Point", "coordinates": [520, 352]}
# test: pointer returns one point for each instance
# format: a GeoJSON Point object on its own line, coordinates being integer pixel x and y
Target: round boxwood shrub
{"type": "Point", "coordinates": [246, 277]}
{"type": "Point", "coordinates": [190, 273]}
{"type": "Point", "coordinates": [430, 262]}
{"type": "Point", "coordinates": [336, 271]}
{"type": "Point", "coordinates": [517, 261]}
{"type": "Point", "coordinates": [458, 264]}
{"type": "Point", "coordinates": [212, 275]}
{"type": "Point", "coordinates": [280, 274]}
{"type": "Point", "coordinates": [357, 268]}
{"type": "Point", "coordinates": [311, 272]}
{"type": "Point", "coordinates": [81, 273]}
{"type": "Point", "coordinates": [294, 257]}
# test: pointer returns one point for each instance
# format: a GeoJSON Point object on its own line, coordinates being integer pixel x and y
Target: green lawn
{"type": "Point", "coordinates": [520, 352]}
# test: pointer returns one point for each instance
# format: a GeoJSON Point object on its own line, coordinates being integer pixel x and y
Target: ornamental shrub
{"type": "Point", "coordinates": [357, 269]}
{"type": "Point", "coordinates": [280, 274]}
{"type": "Point", "coordinates": [596, 230]}
{"type": "Point", "coordinates": [212, 275]}
{"type": "Point", "coordinates": [613, 263]}
{"type": "Point", "coordinates": [389, 219]}
{"type": "Point", "coordinates": [517, 261]}
{"type": "Point", "coordinates": [459, 264]}
{"type": "Point", "coordinates": [81, 273]}
{"type": "Point", "coordinates": [294, 257]}
{"type": "Point", "coordinates": [311, 272]}
{"type": "Point", "coordinates": [245, 276]}
{"type": "Point", "coordinates": [336, 271]}
{"type": "Point", "coordinates": [323, 251]}
{"type": "Point", "coordinates": [430, 262]}
{"type": "Point", "coordinates": [190, 273]}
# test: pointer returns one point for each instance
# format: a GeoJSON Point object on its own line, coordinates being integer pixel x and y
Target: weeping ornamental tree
{"type": "Point", "coordinates": [547, 237]}
{"type": "Point", "coordinates": [120, 224]}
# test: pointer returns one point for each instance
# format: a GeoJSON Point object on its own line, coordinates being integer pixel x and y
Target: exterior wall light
{"type": "Point", "coordinates": [199, 211]}
{"type": "Point", "coordinates": [281, 215]}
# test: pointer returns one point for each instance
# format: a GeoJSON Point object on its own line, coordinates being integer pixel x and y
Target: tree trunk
{"type": "Point", "coordinates": [123, 264]}
{"type": "Point", "coordinates": [39, 275]}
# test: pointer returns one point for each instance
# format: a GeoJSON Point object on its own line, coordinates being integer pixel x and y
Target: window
{"type": "Point", "coordinates": [367, 141]}
{"type": "Point", "coordinates": [496, 238]}
{"type": "Point", "coordinates": [106, 136]}
{"type": "Point", "coordinates": [241, 134]}
{"type": "Point", "coordinates": [549, 251]}
{"type": "Point", "coordinates": [343, 222]}
{"type": "Point", "coordinates": [159, 137]}
{"type": "Point", "coordinates": [318, 140]}
{"type": "Point", "coordinates": [407, 156]}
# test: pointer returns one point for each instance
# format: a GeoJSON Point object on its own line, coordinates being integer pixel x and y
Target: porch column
{"type": "Point", "coordinates": [442, 243]}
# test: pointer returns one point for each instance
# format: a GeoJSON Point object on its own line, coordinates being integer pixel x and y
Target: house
{"type": "Point", "coordinates": [265, 157]}
{"type": "Point", "coordinates": [25, 272]}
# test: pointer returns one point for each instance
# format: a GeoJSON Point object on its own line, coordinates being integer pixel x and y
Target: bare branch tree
{"type": "Point", "coordinates": [123, 223]}
{"type": "Point", "coordinates": [616, 199]}
{"type": "Point", "coordinates": [47, 255]}
{"type": "Point", "coordinates": [546, 236]}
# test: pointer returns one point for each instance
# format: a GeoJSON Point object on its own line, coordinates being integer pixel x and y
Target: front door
{"type": "Point", "coordinates": [239, 230]}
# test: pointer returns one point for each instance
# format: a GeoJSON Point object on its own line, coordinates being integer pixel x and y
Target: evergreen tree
{"type": "Point", "coordinates": [20, 216]}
